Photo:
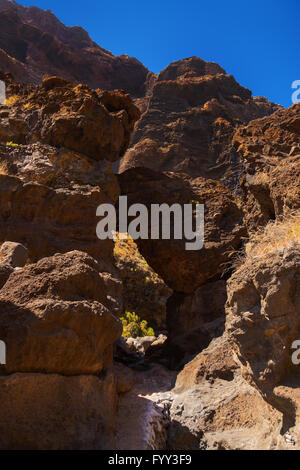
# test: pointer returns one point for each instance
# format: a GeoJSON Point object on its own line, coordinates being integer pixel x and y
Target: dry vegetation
{"type": "Point", "coordinates": [11, 100]}
{"type": "Point", "coordinates": [275, 236]}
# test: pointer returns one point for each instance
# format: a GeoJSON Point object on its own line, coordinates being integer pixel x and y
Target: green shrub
{"type": "Point", "coordinates": [133, 326]}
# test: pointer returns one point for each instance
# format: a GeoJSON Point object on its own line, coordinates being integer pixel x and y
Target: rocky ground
{"type": "Point", "coordinates": [218, 373]}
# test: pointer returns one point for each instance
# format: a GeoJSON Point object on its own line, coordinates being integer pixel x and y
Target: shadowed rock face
{"type": "Point", "coordinates": [189, 123]}
{"type": "Point", "coordinates": [270, 149]}
{"type": "Point", "coordinates": [86, 405]}
{"type": "Point", "coordinates": [181, 269]}
{"type": "Point", "coordinates": [34, 42]}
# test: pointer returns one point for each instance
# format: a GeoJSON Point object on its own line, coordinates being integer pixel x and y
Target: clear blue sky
{"type": "Point", "coordinates": [257, 41]}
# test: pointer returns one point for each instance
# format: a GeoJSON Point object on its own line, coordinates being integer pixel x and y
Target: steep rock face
{"type": "Point", "coordinates": [59, 315]}
{"type": "Point", "coordinates": [53, 412]}
{"type": "Point", "coordinates": [181, 269]}
{"type": "Point", "coordinates": [262, 315]}
{"type": "Point", "coordinates": [242, 391]}
{"type": "Point", "coordinates": [270, 148]}
{"type": "Point", "coordinates": [34, 42]}
{"type": "Point", "coordinates": [189, 123]}
{"type": "Point", "coordinates": [56, 316]}
{"type": "Point", "coordinates": [55, 164]}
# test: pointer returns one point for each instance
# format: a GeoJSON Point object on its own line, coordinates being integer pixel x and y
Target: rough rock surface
{"type": "Point", "coordinates": [214, 408]}
{"type": "Point", "coordinates": [242, 391]}
{"type": "Point", "coordinates": [94, 123]}
{"type": "Point", "coordinates": [53, 412]}
{"type": "Point", "coordinates": [262, 315]}
{"type": "Point", "coordinates": [270, 148]}
{"type": "Point", "coordinates": [181, 269]}
{"type": "Point", "coordinates": [13, 254]}
{"type": "Point", "coordinates": [56, 317]}
{"type": "Point", "coordinates": [47, 188]}
{"type": "Point", "coordinates": [34, 42]}
{"type": "Point", "coordinates": [5, 272]}
{"type": "Point", "coordinates": [190, 121]}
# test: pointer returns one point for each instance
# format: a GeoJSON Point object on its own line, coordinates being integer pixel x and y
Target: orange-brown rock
{"type": "Point", "coordinates": [55, 164]}
{"type": "Point", "coordinates": [53, 412]}
{"type": "Point", "coordinates": [262, 315]}
{"type": "Point", "coordinates": [34, 42]}
{"type": "Point", "coordinates": [56, 316]}
{"type": "Point", "coordinates": [189, 123]}
{"type": "Point", "coordinates": [184, 270]}
{"type": "Point", "coordinates": [270, 148]}
{"type": "Point", "coordinates": [73, 117]}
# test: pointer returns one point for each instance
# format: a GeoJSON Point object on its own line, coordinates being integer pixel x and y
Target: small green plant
{"type": "Point", "coordinates": [133, 326]}
{"type": "Point", "coordinates": [12, 144]}
{"type": "Point", "coordinates": [193, 201]}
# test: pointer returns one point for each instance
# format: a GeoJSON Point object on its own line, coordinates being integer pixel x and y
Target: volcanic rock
{"type": "Point", "coordinates": [271, 153]}
{"type": "Point", "coordinates": [181, 269]}
{"type": "Point", "coordinates": [190, 121]}
{"type": "Point", "coordinates": [34, 42]}
{"type": "Point", "coordinates": [53, 412]}
{"type": "Point", "coordinates": [56, 318]}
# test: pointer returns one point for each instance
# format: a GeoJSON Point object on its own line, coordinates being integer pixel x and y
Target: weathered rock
{"type": "Point", "coordinates": [271, 154]}
{"type": "Point", "coordinates": [56, 318]}
{"type": "Point", "coordinates": [69, 116]}
{"type": "Point", "coordinates": [190, 121]}
{"type": "Point", "coordinates": [181, 269]}
{"type": "Point", "coordinates": [143, 413]}
{"type": "Point", "coordinates": [5, 272]}
{"type": "Point", "coordinates": [13, 254]}
{"type": "Point", "coordinates": [214, 407]}
{"type": "Point", "coordinates": [58, 168]}
{"type": "Point", "coordinates": [52, 412]}
{"type": "Point", "coordinates": [34, 42]}
{"type": "Point", "coordinates": [140, 344]}
{"type": "Point", "coordinates": [262, 315]}
{"type": "Point", "coordinates": [49, 220]}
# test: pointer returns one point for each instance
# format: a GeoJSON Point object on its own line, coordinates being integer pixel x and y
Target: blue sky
{"type": "Point", "coordinates": [257, 41]}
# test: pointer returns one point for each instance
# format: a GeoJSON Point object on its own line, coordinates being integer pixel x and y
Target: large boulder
{"type": "Point", "coordinates": [56, 316]}
{"type": "Point", "coordinates": [48, 220]}
{"type": "Point", "coordinates": [184, 270]}
{"type": "Point", "coordinates": [53, 412]}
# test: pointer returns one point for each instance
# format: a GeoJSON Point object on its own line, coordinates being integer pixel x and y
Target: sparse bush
{"type": "Point", "coordinates": [12, 144]}
{"type": "Point", "coordinates": [133, 326]}
{"type": "Point", "coordinates": [11, 100]}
